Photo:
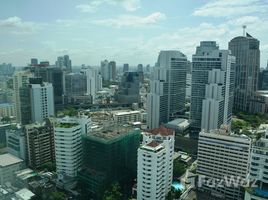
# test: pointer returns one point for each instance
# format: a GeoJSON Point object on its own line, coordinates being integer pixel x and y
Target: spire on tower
{"type": "Point", "coordinates": [244, 30]}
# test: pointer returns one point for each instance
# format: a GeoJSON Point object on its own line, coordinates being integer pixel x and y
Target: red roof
{"type": "Point", "coordinates": [161, 130]}
{"type": "Point", "coordinates": [153, 144]}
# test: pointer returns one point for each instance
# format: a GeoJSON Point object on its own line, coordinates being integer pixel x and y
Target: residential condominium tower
{"type": "Point", "coordinates": [20, 79]}
{"type": "Point", "coordinates": [40, 144]}
{"type": "Point", "coordinates": [94, 81]}
{"type": "Point", "coordinates": [68, 144]}
{"type": "Point", "coordinates": [37, 101]}
{"type": "Point", "coordinates": [247, 53]}
{"type": "Point", "coordinates": [155, 164]}
{"type": "Point", "coordinates": [212, 87]}
{"type": "Point", "coordinates": [167, 88]}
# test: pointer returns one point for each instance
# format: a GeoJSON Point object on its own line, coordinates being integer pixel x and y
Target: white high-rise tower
{"type": "Point", "coordinates": [155, 164]}
{"type": "Point", "coordinates": [212, 87]}
{"type": "Point", "coordinates": [168, 86]}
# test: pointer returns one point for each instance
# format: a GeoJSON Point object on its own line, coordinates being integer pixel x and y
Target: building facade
{"type": "Point", "coordinates": [212, 87]}
{"type": "Point", "coordinates": [110, 155]}
{"type": "Point", "coordinates": [220, 159]}
{"type": "Point", "coordinates": [129, 88]}
{"type": "Point", "coordinates": [9, 164]}
{"type": "Point", "coordinates": [68, 146]}
{"type": "Point", "coordinates": [157, 140]}
{"type": "Point", "coordinates": [247, 67]}
{"type": "Point", "coordinates": [94, 81]}
{"type": "Point", "coordinates": [151, 159]}
{"type": "Point", "coordinates": [20, 79]}
{"type": "Point", "coordinates": [40, 144]}
{"type": "Point", "coordinates": [166, 99]}
{"type": "Point", "coordinates": [16, 142]}
{"type": "Point", "coordinates": [258, 173]}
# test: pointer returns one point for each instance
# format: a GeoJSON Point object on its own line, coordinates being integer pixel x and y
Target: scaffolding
{"type": "Point", "coordinates": [109, 159]}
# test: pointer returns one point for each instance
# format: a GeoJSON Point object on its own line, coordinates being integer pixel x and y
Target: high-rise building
{"type": "Point", "coordinates": [263, 80]}
{"type": "Point", "coordinates": [129, 88]}
{"type": "Point", "coordinates": [166, 99]}
{"type": "Point", "coordinates": [108, 70]}
{"type": "Point", "coordinates": [68, 144]}
{"type": "Point", "coordinates": [151, 159]}
{"type": "Point", "coordinates": [110, 155]}
{"type": "Point", "coordinates": [125, 67]}
{"type": "Point", "coordinates": [34, 61]}
{"type": "Point", "coordinates": [212, 87]}
{"type": "Point", "coordinates": [155, 164]}
{"type": "Point", "coordinates": [64, 62]}
{"type": "Point", "coordinates": [6, 69]}
{"type": "Point", "coordinates": [140, 68]}
{"type": "Point", "coordinates": [20, 79]}
{"type": "Point", "coordinates": [105, 70]}
{"type": "Point", "coordinates": [94, 81]}
{"type": "Point", "coordinates": [258, 173]}
{"type": "Point", "coordinates": [40, 144]}
{"type": "Point", "coordinates": [75, 85]}
{"type": "Point", "coordinates": [53, 75]}
{"type": "Point", "coordinates": [223, 159]}
{"type": "Point", "coordinates": [37, 101]}
{"type": "Point", "coordinates": [112, 70]}
{"type": "Point", "coordinates": [247, 53]}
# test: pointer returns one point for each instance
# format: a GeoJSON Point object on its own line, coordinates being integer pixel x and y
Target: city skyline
{"type": "Point", "coordinates": [127, 31]}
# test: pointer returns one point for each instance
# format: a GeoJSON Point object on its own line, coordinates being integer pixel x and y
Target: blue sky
{"type": "Point", "coordinates": [127, 31]}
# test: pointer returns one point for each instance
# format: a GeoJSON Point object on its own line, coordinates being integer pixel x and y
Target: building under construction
{"type": "Point", "coordinates": [109, 156]}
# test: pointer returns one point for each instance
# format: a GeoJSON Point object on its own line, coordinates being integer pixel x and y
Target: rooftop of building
{"type": "Point", "coordinates": [153, 144]}
{"type": "Point", "coordinates": [180, 122]}
{"type": "Point", "coordinates": [66, 125]}
{"type": "Point", "coordinates": [125, 112]}
{"type": "Point", "coordinates": [25, 194]}
{"type": "Point", "coordinates": [161, 131]}
{"type": "Point", "coordinates": [8, 159]}
{"type": "Point", "coordinates": [110, 131]}
{"type": "Point", "coordinates": [224, 132]}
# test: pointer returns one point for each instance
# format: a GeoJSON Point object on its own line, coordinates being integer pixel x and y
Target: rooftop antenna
{"type": "Point", "coordinates": [244, 30]}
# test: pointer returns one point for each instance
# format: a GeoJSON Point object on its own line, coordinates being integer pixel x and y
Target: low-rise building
{"type": "Point", "coordinates": [9, 164]}
{"type": "Point", "coordinates": [126, 116]}
{"type": "Point", "coordinates": [180, 126]}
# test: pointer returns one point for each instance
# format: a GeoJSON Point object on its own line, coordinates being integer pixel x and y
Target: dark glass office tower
{"type": "Point", "coordinates": [247, 53]}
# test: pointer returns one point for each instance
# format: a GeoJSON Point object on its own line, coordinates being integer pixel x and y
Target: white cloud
{"type": "Point", "coordinates": [132, 21]}
{"type": "Point", "coordinates": [229, 8]}
{"type": "Point", "coordinates": [91, 7]}
{"type": "Point", "coordinates": [129, 5]}
{"type": "Point", "coordinates": [15, 25]}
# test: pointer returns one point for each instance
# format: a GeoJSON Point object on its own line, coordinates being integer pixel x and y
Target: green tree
{"type": "Point", "coordinates": [173, 194]}
{"type": "Point", "coordinates": [179, 168]}
{"type": "Point", "coordinates": [49, 166]}
{"type": "Point", "coordinates": [113, 193]}
{"type": "Point", "coordinates": [56, 196]}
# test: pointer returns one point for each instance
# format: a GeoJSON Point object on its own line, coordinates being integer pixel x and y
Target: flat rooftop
{"type": "Point", "coordinates": [8, 159]}
{"type": "Point", "coordinates": [111, 131]}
